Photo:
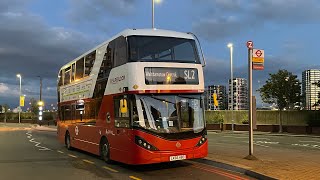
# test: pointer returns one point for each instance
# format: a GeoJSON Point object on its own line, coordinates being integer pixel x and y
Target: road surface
{"type": "Point", "coordinates": [31, 154]}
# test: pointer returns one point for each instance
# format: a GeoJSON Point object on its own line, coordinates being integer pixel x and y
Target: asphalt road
{"type": "Point", "coordinates": [31, 154]}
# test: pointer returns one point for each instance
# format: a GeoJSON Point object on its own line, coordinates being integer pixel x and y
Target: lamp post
{"type": "Point", "coordinates": [230, 46]}
{"type": "Point", "coordinates": [158, 2]}
{"type": "Point", "coordinates": [19, 76]}
{"type": "Point", "coordinates": [40, 88]}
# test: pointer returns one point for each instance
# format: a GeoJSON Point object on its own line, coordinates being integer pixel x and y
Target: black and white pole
{"type": "Point", "coordinates": [250, 49]}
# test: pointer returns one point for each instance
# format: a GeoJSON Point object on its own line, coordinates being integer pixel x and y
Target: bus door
{"type": "Point", "coordinates": [121, 127]}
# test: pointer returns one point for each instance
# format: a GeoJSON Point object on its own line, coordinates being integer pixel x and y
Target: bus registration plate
{"type": "Point", "coordinates": [177, 158]}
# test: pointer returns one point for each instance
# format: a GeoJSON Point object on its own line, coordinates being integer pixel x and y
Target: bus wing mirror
{"type": "Point", "coordinates": [123, 106]}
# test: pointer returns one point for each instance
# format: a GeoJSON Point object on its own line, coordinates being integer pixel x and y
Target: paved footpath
{"type": "Point", "coordinates": [281, 156]}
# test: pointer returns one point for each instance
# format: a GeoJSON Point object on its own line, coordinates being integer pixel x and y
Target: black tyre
{"type": "Point", "coordinates": [105, 150]}
{"type": "Point", "coordinates": [68, 141]}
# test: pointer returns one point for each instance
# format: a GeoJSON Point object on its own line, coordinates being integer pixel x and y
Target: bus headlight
{"type": "Point", "coordinates": [202, 140]}
{"type": "Point", "coordinates": [144, 144]}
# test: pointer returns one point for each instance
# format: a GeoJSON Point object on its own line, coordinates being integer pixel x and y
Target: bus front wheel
{"type": "Point", "coordinates": [105, 150]}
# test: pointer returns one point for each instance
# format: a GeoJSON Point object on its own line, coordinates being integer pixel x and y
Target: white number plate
{"type": "Point", "coordinates": [177, 158]}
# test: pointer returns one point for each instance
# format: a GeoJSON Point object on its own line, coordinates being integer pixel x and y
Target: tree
{"type": "Point", "coordinates": [317, 103]}
{"type": "Point", "coordinates": [283, 89]}
{"type": "Point", "coordinates": [34, 107]}
{"type": "Point", "coordinates": [6, 108]}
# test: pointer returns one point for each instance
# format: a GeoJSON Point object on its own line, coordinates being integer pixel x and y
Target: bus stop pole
{"type": "Point", "coordinates": [250, 156]}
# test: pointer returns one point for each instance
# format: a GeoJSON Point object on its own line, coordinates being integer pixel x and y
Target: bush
{"type": "Point", "coordinates": [245, 119]}
{"type": "Point", "coordinates": [215, 118]}
{"type": "Point", "coordinates": [47, 116]}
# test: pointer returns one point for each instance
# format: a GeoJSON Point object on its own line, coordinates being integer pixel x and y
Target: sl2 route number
{"type": "Point", "coordinates": [189, 74]}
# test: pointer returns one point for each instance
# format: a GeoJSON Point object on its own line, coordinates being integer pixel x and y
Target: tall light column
{"type": "Point", "coordinates": [19, 76]}
{"type": "Point", "coordinates": [158, 2]}
{"type": "Point", "coordinates": [152, 14]}
{"type": "Point", "coordinates": [230, 46]}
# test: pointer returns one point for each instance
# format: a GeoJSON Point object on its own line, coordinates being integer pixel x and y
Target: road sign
{"type": "Point", "coordinates": [258, 59]}
{"type": "Point", "coordinates": [21, 101]}
{"type": "Point", "coordinates": [257, 66]}
{"type": "Point", "coordinates": [249, 44]}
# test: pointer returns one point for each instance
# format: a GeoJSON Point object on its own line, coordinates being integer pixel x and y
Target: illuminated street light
{"type": "Point", "coordinates": [230, 46]}
{"type": "Point", "coordinates": [157, 2]}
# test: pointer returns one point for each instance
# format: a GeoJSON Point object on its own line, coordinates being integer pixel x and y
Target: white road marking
{"type": "Point", "coordinates": [37, 144]}
{"type": "Point", "coordinates": [72, 155]}
{"type": "Point", "coordinates": [234, 137]}
{"type": "Point", "coordinates": [311, 141]}
{"type": "Point", "coordinates": [60, 152]}
{"type": "Point", "coordinates": [245, 137]}
{"type": "Point", "coordinates": [266, 142]}
{"type": "Point", "coordinates": [256, 144]}
{"type": "Point", "coordinates": [260, 145]}
{"type": "Point", "coordinates": [316, 146]}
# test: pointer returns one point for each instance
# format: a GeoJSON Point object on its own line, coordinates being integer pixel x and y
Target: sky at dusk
{"type": "Point", "coordinates": [37, 37]}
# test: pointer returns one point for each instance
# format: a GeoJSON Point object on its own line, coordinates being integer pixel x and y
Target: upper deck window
{"type": "Point", "coordinates": [162, 49]}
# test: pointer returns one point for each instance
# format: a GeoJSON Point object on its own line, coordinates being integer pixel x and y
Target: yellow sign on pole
{"type": "Point", "coordinates": [215, 101]}
{"type": "Point", "coordinates": [22, 101]}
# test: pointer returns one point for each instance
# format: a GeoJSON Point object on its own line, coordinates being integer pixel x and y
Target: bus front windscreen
{"type": "Point", "coordinates": [162, 49]}
{"type": "Point", "coordinates": [169, 113]}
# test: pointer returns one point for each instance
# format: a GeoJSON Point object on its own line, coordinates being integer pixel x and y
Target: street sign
{"type": "Point", "coordinates": [258, 59]}
{"type": "Point", "coordinates": [22, 101]}
{"type": "Point", "coordinates": [249, 44]}
{"type": "Point", "coordinates": [257, 66]}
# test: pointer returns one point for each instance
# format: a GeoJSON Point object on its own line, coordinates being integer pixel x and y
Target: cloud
{"type": "Point", "coordinates": [31, 47]}
{"type": "Point", "coordinates": [218, 28]}
{"type": "Point", "coordinates": [13, 5]}
{"type": "Point", "coordinates": [219, 19]}
{"type": "Point", "coordinates": [286, 11]}
{"type": "Point", "coordinates": [3, 88]}
{"type": "Point", "coordinates": [96, 11]}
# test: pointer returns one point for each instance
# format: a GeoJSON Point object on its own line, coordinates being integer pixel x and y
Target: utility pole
{"type": "Point", "coordinates": [152, 14]}
{"type": "Point", "coordinates": [40, 88]}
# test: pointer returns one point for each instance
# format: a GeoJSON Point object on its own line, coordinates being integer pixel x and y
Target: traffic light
{"type": "Point", "coordinates": [215, 101]}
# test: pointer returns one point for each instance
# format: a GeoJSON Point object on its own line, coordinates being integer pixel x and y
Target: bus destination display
{"type": "Point", "coordinates": [164, 75]}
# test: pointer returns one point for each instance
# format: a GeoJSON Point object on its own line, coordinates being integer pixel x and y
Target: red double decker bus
{"type": "Point", "coordinates": [136, 98]}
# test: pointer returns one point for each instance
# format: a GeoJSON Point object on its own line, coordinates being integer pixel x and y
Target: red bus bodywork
{"type": "Point", "coordinates": [122, 140]}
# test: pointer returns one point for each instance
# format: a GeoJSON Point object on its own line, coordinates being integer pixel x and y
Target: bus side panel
{"type": "Point", "coordinates": [87, 138]}
{"type": "Point", "coordinates": [117, 137]}
{"type": "Point", "coordinates": [61, 130]}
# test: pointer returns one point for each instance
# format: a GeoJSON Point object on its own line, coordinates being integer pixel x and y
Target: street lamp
{"type": "Point", "coordinates": [157, 2]}
{"type": "Point", "coordinates": [230, 46]}
{"type": "Point", "coordinates": [40, 88]}
{"type": "Point", "coordinates": [19, 76]}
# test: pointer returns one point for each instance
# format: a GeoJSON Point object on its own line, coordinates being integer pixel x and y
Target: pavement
{"type": "Point", "coordinates": [279, 156]}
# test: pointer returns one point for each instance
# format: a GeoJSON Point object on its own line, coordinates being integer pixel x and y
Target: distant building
{"type": "Point", "coordinates": [221, 97]}
{"type": "Point", "coordinates": [240, 94]}
{"type": "Point", "coordinates": [309, 90]}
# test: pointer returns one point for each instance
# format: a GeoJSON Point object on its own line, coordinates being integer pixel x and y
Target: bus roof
{"type": "Point", "coordinates": [137, 32]}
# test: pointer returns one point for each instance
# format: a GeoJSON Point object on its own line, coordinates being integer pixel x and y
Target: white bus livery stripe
{"type": "Point", "coordinates": [86, 141]}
